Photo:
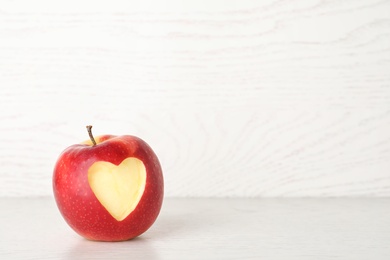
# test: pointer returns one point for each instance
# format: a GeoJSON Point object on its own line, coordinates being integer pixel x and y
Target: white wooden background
{"type": "Point", "coordinates": [238, 98]}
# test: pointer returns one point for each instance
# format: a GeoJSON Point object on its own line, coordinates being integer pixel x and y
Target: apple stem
{"type": "Point", "coordinates": [89, 128]}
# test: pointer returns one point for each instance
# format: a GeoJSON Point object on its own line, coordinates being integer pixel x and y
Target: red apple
{"type": "Point", "coordinates": [109, 188]}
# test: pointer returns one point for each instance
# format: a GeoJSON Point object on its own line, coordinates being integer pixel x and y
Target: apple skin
{"type": "Point", "coordinates": [79, 205]}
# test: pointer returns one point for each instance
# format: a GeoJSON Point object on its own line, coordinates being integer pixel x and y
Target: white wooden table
{"type": "Point", "coordinates": [211, 229]}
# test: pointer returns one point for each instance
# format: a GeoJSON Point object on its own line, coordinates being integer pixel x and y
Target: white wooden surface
{"type": "Point", "coordinates": [211, 229]}
{"type": "Point", "coordinates": [238, 98]}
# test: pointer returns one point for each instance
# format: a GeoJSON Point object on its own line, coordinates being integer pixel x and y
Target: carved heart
{"type": "Point", "coordinates": [118, 188]}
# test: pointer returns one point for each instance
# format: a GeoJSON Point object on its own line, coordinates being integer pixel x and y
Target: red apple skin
{"type": "Point", "coordinates": [79, 205]}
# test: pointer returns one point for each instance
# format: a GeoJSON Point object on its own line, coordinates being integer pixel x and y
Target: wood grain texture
{"type": "Point", "coordinates": [250, 98]}
{"type": "Point", "coordinates": [303, 229]}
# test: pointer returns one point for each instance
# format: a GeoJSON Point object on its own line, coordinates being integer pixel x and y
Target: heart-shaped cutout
{"type": "Point", "coordinates": [118, 188]}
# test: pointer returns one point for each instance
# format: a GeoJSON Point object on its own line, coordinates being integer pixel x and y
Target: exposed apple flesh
{"type": "Point", "coordinates": [118, 188]}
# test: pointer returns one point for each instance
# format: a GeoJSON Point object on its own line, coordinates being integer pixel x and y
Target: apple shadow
{"type": "Point", "coordinates": [167, 225]}
{"type": "Point", "coordinates": [136, 248]}
{"type": "Point", "coordinates": [182, 217]}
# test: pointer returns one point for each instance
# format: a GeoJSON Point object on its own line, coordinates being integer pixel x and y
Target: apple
{"type": "Point", "coordinates": [109, 188]}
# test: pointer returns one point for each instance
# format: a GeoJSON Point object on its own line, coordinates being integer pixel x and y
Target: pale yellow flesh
{"type": "Point", "coordinates": [118, 188]}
